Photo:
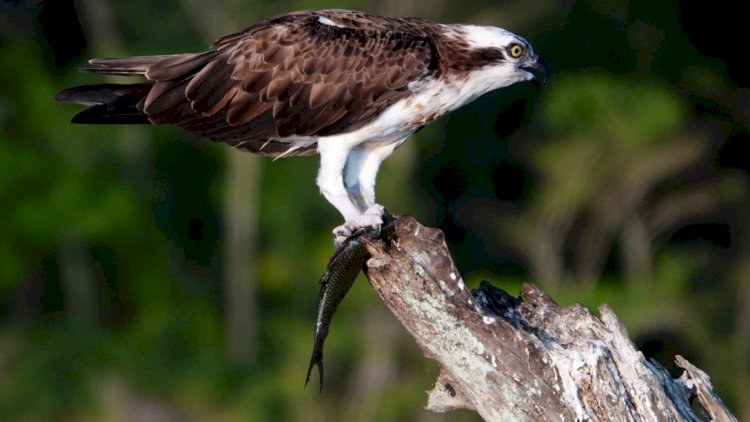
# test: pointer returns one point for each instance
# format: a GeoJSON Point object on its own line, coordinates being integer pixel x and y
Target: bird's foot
{"type": "Point", "coordinates": [372, 219]}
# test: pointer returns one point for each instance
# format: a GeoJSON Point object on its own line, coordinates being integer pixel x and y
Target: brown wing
{"type": "Point", "coordinates": [288, 76]}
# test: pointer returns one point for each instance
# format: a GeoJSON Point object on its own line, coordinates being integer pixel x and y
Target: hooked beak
{"type": "Point", "coordinates": [538, 70]}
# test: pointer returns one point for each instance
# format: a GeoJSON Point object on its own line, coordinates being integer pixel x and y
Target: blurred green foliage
{"type": "Point", "coordinates": [623, 181]}
{"type": "Point", "coordinates": [623, 112]}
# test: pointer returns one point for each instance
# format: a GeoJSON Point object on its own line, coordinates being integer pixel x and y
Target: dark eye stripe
{"type": "Point", "coordinates": [489, 55]}
{"type": "Point", "coordinates": [474, 59]}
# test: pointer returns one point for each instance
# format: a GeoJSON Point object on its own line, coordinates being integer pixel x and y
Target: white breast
{"type": "Point", "coordinates": [432, 99]}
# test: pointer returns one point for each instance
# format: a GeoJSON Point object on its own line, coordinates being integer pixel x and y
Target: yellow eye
{"type": "Point", "coordinates": [516, 50]}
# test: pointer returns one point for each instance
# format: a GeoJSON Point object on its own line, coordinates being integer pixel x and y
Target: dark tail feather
{"type": "Point", "coordinates": [102, 114]}
{"type": "Point", "coordinates": [155, 68]}
{"type": "Point", "coordinates": [109, 103]}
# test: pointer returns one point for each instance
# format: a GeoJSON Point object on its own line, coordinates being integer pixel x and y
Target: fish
{"type": "Point", "coordinates": [341, 271]}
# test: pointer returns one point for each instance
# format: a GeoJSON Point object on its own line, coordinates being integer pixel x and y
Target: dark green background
{"type": "Point", "coordinates": [128, 287]}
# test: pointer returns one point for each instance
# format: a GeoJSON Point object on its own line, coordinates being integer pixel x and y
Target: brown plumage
{"type": "Point", "coordinates": [289, 76]}
{"type": "Point", "coordinates": [348, 85]}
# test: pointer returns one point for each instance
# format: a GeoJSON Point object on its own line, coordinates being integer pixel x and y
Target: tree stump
{"type": "Point", "coordinates": [525, 358]}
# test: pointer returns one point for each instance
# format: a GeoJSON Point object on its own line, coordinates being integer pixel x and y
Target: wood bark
{"type": "Point", "coordinates": [524, 358]}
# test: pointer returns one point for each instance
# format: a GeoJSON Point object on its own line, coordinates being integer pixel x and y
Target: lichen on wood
{"type": "Point", "coordinates": [523, 358]}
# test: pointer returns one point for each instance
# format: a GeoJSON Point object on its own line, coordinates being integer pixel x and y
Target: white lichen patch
{"type": "Point", "coordinates": [447, 290]}
{"type": "Point", "coordinates": [488, 320]}
{"type": "Point", "coordinates": [452, 276]}
{"type": "Point", "coordinates": [533, 392]}
{"type": "Point", "coordinates": [458, 346]}
{"type": "Point", "coordinates": [630, 364]}
{"type": "Point", "coordinates": [420, 272]}
{"type": "Point", "coordinates": [568, 364]}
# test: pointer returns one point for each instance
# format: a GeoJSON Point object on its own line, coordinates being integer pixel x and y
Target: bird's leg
{"type": "Point", "coordinates": [360, 174]}
{"type": "Point", "coordinates": [367, 174]}
{"type": "Point", "coordinates": [331, 183]}
{"type": "Point", "coordinates": [354, 163]}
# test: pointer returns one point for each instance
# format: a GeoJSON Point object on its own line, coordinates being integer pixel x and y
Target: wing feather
{"type": "Point", "coordinates": [179, 66]}
{"type": "Point", "coordinates": [288, 76]}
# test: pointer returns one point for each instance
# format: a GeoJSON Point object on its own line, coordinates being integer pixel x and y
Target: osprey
{"type": "Point", "coordinates": [348, 85]}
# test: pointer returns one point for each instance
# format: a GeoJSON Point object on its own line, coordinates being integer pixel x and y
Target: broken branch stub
{"type": "Point", "coordinates": [524, 358]}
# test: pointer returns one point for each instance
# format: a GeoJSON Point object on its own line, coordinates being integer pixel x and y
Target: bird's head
{"type": "Point", "coordinates": [503, 57]}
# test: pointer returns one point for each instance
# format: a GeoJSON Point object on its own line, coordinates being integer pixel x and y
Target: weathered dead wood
{"type": "Point", "coordinates": [524, 358]}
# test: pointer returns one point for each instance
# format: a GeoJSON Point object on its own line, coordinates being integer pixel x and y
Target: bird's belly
{"type": "Point", "coordinates": [395, 123]}
{"type": "Point", "coordinates": [433, 101]}
{"type": "Point", "coordinates": [405, 117]}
